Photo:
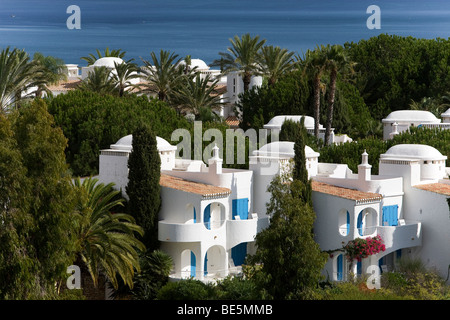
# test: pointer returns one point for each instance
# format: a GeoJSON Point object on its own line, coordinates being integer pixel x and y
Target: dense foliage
{"type": "Point", "coordinates": [92, 122]}
{"type": "Point", "coordinates": [390, 73]}
{"type": "Point", "coordinates": [36, 242]}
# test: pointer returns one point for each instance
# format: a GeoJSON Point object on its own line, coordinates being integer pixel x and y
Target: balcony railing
{"type": "Point", "coordinates": [235, 231]}
{"type": "Point", "coordinates": [396, 237]}
{"type": "Point", "coordinates": [401, 236]}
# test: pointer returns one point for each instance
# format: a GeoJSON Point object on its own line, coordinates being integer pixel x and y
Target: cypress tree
{"type": "Point", "coordinates": [300, 172]}
{"type": "Point", "coordinates": [143, 188]}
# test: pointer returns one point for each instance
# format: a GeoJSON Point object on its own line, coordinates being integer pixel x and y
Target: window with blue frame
{"type": "Point", "coordinates": [359, 224]}
{"type": "Point", "coordinates": [207, 217]}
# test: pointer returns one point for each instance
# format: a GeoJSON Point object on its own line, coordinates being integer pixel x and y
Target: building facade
{"type": "Point", "coordinates": [210, 215]}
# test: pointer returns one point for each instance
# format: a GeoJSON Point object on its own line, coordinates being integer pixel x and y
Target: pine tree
{"type": "Point", "coordinates": [36, 202]}
{"type": "Point", "coordinates": [143, 188]}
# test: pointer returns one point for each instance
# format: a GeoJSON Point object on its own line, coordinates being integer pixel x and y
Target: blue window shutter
{"type": "Point", "coordinates": [205, 267]}
{"type": "Point", "coordinates": [340, 265]}
{"type": "Point", "coordinates": [348, 223]}
{"type": "Point", "coordinates": [360, 223]}
{"type": "Point", "coordinates": [390, 215]}
{"type": "Point", "coordinates": [239, 208]}
{"type": "Point", "coordinates": [193, 264]}
{"type": "Point", "coordinates": [359, 267]}
{"type": "Point", "coordinates": [207, 217]}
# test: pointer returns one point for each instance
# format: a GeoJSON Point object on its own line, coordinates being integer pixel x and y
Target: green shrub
{"type": "Point", "coordinates": [189, 289]}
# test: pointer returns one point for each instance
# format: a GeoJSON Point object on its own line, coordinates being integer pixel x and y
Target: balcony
{"type": "Point", "coordinates": [401, 236]}
{"type": "Point", "coordinates": [180, 232]}
{"type": "Point", "coordinates": [234, 231]}
{"type": "Point", "coordinates": [239, 231]}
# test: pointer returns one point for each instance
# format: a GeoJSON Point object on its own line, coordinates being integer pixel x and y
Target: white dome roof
{"type": "Point", "coordinates": [283, 149]}
{"type": "Point", "coordinates": [277, 122]}
{"type": "Point", "coordinates": [200, 64]}
{"type": "Point", "coordinates": [125, 143]}
{"type": "Point", "coordinates": [446, 114]}
{"type": "Point", "coordinates": [108, 62]}
{"type": "Point", "coordinates": [411, 116]}
{"type": "Point", "coordinates": [413, 151]}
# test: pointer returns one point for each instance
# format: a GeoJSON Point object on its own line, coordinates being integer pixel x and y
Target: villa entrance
{"type": "Point", "coordinates": [215, 264]}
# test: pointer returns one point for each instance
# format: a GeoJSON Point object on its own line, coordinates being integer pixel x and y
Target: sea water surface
{"type": "Point", "coordinates": [202, 28]}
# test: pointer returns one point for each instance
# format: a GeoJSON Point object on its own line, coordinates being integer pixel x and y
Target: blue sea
{"type": "Point", "coordinates": [202, 28]}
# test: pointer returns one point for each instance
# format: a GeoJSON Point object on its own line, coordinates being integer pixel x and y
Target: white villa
{"type": "Point", "coordinates": [401, 120]}
{"type": "Point", "coordinates": [210, 215]}
{"type": "Point", "coordinates": [228, 87]}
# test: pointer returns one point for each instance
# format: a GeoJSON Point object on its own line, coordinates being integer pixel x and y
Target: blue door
{"type": "Point", "coordinates": [390, 215]}
{"type": "Point", "coordinates": [207, 217]}
{"type": "Point", "coordinates": [240, 208]}
{"type": "Point", "coordinates": [238, 253]}
{"type": "Point", "coordinates": [193, 264]}
{"type": "Point", "coordinates": [340, 267]}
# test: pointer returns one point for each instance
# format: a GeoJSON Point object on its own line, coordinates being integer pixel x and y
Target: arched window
{"type": "Point", "coordinates": [214, 215]}
{"type": "Point", "coordinates": [360, 223]}
{"type": "Point", "coordinates": [367, 221]}
{"type": "Point", "coordinates": [190, 214]}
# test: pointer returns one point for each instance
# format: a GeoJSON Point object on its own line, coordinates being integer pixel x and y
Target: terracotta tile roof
{"type": "Point", "coordinates": [220, 89]}
{"type": "Point", "coordinates": [65, 85]}
{"type": "Point", "coordinates": [441, 188]}
{"type": "Point", "coordinates": [351, 194]}
{"type": "Point", "coordinates": [205, 190]}
{"type": "Point", "coordinates": [232, 121]}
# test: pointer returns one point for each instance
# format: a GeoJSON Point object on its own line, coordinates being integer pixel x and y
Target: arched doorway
{"type": "Point", "coordinates": [188, 264]}
{"type": "Point", "coordinates": [215, 262]}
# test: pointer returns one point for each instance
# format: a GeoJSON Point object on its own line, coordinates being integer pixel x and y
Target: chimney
{"type": "Point", "coordinates": [364, 169]}
{"type": "Point", "coordinates": [215, 163]}
{"type": "Point", "coordinates": [395, 131]}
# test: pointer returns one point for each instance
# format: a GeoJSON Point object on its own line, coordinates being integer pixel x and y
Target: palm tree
{"type": "Point", "coordinates": [162, 75]}
{"type": "Point", "coordinates": [99, 80]}
{"type": "Point", "coordinates": [274, 62]}
{"type": "Point", "coordinates": [336, 61]}
{"type": "Point", "coordinates": [17, 75]}
{"type": "Point", "coordinates": [242, 56]}
{"type": "Point", "coordinates": [314, 63]}
{"type": "Point", "coordinates": [122, 75]}
{"type": "Point", "coordinates": [53, 71]}
{"type": "Point", "coordinates": [106, 241]}
{"type": "Point", "coordinates": [91, 58]}
{"type": "Point", "coordinates": [195, 95]}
